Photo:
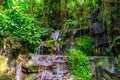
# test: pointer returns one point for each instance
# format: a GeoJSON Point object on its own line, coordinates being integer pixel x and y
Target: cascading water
{"type": "Point", "coordinates": [41, 48]}
{"type": "Point", "coordinates": [46, 61]}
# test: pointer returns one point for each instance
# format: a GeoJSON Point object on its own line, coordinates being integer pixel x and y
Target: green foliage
{"type": "Point", "coordinates": [78, 63]}
{"type": "Point", "coordinates": [117, 61]}
{"type": "Point", "coordinates": [75, 13]}
{"type": "Point", "coordinates": [50, 46]}
{"type": "Point", "coordinates": [37, 7]}
{"type": "Point", "coordinates": [115, 46]}
{"type": "Point", "coordinates": [118, 64]}
{"type": "Point", "coordinates": [20, 25]}
{"type": "Point", "coordinates": [91, 4]}
{"type": "Point", "coordinates": [5, 78]}
{"type": "Point", "coordinates": [84, 43]}
{"type": "Point", "coordinates": [50, 43]}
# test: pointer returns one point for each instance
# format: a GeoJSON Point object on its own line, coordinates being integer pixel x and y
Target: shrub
{"type": "Point", "coordinates": [20, 25]}
{"type": "Point", "coordinates": [78, 63]}
{"type": "Point", "coordinates": [84, 43]}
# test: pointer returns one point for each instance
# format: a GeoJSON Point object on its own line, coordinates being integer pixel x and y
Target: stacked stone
{"type": "Point", "coordinates": [49, 67]}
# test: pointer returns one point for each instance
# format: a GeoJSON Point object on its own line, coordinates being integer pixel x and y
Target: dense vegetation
{"type": "Point", "coordinates": [25, 23]}
{"type": "Point", "coordinates": [78, 63]}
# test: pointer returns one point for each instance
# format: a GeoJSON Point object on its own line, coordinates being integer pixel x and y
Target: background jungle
{"type": "Point", "coordinates": [89, 35]}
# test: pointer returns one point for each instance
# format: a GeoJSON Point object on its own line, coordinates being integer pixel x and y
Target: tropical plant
{"type": "Point", "coordinates": [78, 63]}
{"type": "Point", "coordinates": [15, 22]}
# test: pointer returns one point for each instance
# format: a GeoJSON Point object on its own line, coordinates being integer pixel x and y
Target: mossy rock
{"type": "Point", "coordinates": [31, 69]}
{"type": "Point", "coordinates": [30, 77]}
{"type": "Point", "coordinates": [117, 1]}
{"type": "Point", "coordinates": [5, 78]}
{"type": "Point", "coordinates": [3, 64]}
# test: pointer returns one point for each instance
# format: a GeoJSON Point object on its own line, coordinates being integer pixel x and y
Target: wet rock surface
{"type": "Point", "coordinates": [48, 67]}
{"type": "Point", "coordinates": [54, 67]}
{"type": "Point", "coordinates": [102, 68]}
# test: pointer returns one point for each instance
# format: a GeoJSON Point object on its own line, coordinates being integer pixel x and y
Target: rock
{"type": "Point", "coordinates": [30, 77]}
{"type": "Point", "coordinates": [98, 28]}
{"type": "Point", "coordinates": [3, 64]}
{"type": "Point", "coordinates": [46, 67]}
{"type": "Point", "coordinates": [105, 68]}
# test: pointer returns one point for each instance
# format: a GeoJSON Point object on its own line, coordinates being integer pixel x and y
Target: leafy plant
{"type": "Point", "coordinates": [50, 46]}
{"type": "Point", "coordinates": [21, 25]}
{"type": "Point", "coordinates": [78, 63]}
{"type": "Point", "coordinates": [117, 61]}
{"type": "Point", "coordinates": [118, 65]}
{"type": "Point", "coordinates": [115, 46]}
{"type": "Point", "coordinates": [84, 43]}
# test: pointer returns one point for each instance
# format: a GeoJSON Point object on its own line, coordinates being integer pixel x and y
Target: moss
{"type": "Point", "coordinates": [3, 64]}
{"type": "Point", "coordinates": [84, 43]}
{"type": "Point", "coordinates": [5, 78]}
{"type": "Point", "coordinates": [50, 47]}
{"type": "Point", "coordinates": [30, 77]}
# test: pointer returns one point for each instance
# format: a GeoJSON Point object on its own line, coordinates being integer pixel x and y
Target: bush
{"type": "Point", "coordinates": [22, 27]}
{"type": "Point", "coordinates": [84, 43]}
{"type": "Point", "coordinates": [78, 63]}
